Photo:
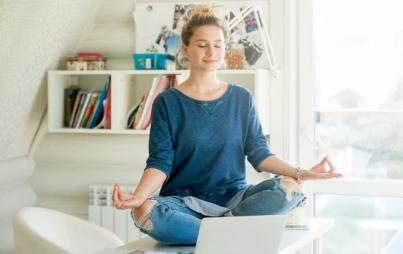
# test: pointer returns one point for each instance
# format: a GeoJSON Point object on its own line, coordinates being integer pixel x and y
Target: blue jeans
{"type": "Point", "coordinates": [172, 222]}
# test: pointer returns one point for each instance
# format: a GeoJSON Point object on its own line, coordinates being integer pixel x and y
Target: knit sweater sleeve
{"type": "Point", "coordinates": [256, 148]}
{"type": "Point", "coordinates": [161, 152]}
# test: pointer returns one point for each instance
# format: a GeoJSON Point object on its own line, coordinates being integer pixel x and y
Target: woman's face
{"type": "Point", "coordinates": [206, 48]}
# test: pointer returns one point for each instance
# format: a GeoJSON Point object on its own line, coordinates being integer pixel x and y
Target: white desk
{"type": "Point", "coordinates": [292, 240]}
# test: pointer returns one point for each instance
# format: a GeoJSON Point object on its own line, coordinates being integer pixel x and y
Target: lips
{"type": "Point", "coordinates": [210, 60]}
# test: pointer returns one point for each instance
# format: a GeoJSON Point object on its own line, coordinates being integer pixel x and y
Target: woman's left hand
{"type": "Point", "coordinates": [319, 171]}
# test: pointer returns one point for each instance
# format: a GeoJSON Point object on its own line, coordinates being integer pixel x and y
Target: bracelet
{"type": "Point", "coordinates": [297, 169]}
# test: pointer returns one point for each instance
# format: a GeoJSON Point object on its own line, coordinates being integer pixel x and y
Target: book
{"type": "Point", "coordinates": [78, 104]}
{"type": "Point", "coordinates": [108, 106]}
{"type": "Point", "coordinates": [139, 111]}
{"type": "Point", "coordinates": [163, 85]}
{"type": "Point", "coordinates": [90, 108]}
{"type": "Point", "coordinates": [148, 101]}
{"type": "Point", "coordinates": [89, 55]}
{"type": "Point", "coordinates": [99, 108]}
{"type": "Point", "coordinates": [132, 112]}
{"type": "Point", "coordinates": [70, 94]}
{"type": "Point", "coordinates": [82, 109]}
{"type": "Point", "coordinates": [173, 81]}
{"type": "Point", "coordinates": [101, 124]}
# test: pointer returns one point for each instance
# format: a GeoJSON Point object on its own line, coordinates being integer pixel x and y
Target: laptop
{"type": "Point", "coordinates": [222, 235]}
{"type": "Point", "coordinates": [240, 234]}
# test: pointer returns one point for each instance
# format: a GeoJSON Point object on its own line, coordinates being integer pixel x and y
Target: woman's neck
{"type": "Point", "coordinates": [202, 82]}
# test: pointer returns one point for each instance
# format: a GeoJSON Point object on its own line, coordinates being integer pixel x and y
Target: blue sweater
{"type": "Point", "coordinates": [201, 145]}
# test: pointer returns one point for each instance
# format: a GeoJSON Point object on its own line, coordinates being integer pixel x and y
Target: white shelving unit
{"type": "Point", "coordinates": [127, 88]}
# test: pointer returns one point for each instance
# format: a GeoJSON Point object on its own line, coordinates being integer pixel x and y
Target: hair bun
{"type": "Point", "coordinates": [201, 15]}
{"type": "Point", "coordinates": [204, 10]}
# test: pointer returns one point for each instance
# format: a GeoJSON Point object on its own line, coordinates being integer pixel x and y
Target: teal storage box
{"type": "Point", "coordinates": [151, 61]}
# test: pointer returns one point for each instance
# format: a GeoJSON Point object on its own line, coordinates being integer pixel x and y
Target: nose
{"type": "Point", "coordinates": [211, 51]}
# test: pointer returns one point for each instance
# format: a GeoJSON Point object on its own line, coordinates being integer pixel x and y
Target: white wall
{"type": "Point", "coordinates": [15, 194]}
{"type": "Point", "coordinates": [67, 163]}
{"type": "Point", "coordinates": [33, 36]}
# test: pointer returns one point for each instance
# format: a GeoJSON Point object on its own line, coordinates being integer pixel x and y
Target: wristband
{"type": "Point", "coordinates": [297, 170]}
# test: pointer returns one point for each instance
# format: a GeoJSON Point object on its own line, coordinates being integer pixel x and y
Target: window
{"type": "Point", "coordinates": [359, 85]}
{"type": "Point", "coordinates": [358, 106]}
{"type": "Point", "coordinates": [362, 224]}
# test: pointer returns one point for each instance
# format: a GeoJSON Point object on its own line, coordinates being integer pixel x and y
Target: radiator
{"type": "Point", "coordinates": [102, 213]}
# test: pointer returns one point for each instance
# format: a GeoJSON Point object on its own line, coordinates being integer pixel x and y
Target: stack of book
{"type": "Point", "coordinates": [86, 61]}
{"type": "Point", "coordinates": [139, 116]}
{"type": "Point", "coordinates": [87, 109]}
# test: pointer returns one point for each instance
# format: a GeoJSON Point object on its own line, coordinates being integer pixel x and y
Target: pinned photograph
{"type": "Point", "coordinates": [162, 32]}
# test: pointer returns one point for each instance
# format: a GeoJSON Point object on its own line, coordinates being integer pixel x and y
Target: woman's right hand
{"type": "Point", "coordinates": [124, 200]}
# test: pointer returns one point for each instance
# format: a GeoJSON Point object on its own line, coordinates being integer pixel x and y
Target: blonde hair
{"type": "Point", "coordinates": [202, 15]}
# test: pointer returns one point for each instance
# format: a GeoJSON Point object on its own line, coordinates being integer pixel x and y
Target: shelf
{"type": "Point", "coordinates": [146, 72]}
{"type": "Point", "coordinates": [128, 87]}
{"type": "Point", "coordinates": [100, 131]}
{"type": "Point", "coordinates": [65, 72]}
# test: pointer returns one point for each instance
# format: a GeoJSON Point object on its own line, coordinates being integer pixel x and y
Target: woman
{"type": "Point", "coordinates": [200, 134]}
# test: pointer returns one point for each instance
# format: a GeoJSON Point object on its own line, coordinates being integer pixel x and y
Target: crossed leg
{"type": "Point", "coordinates": [168, 220]}
{"type": "Point", "coordinates": [277, 195]}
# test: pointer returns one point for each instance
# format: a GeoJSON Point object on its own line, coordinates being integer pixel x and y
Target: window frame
{"type": "Point", "coordinates": [306, 122]}
{"type": "Point", "coordinates": [291, 30]}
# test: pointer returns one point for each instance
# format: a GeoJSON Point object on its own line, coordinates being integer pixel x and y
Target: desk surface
{"type": "Point", "coordinates": [292, 240]}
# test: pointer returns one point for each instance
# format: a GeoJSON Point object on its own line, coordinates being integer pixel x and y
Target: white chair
{"type": "Point", "coordinates": [40, 230]}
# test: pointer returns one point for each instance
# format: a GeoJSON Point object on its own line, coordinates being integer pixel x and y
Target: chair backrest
{"type": "Point", "coordinates": [41, 230]}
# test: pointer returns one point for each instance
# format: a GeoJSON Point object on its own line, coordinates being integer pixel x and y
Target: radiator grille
{"type": "Point", "coordinates": [102, 213]}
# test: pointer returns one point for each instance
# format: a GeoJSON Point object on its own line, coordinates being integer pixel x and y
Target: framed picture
{"type": "Point", "coordinates": [158, 28]}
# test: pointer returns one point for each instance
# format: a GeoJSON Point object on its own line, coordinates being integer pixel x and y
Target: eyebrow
{"type": "Point", "coordinates": [202, 40]}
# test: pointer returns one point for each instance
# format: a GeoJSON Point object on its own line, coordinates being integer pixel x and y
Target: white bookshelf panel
{"type": "Point", "coordinates": [57, 83]}
{"type": "Point", "coordinates": [128, 87]}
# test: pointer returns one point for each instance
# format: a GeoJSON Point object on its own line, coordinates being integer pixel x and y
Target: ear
{"type": "Point", "coordinates": [184, 50]}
